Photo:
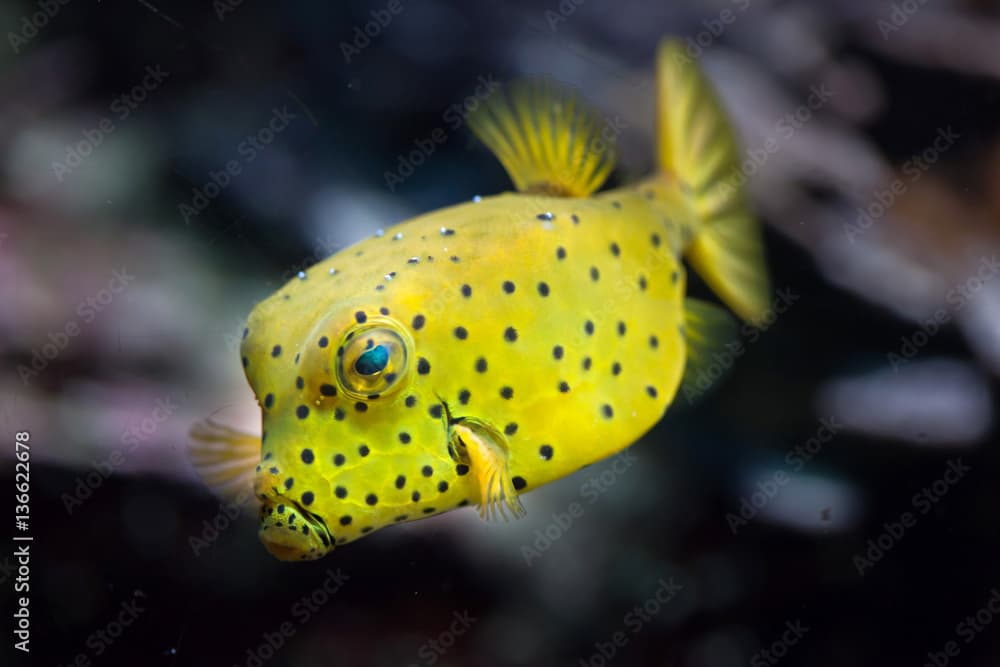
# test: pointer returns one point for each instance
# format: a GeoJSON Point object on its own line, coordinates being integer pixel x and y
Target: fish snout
{"type": "Point", "coordinates": [291, 533]}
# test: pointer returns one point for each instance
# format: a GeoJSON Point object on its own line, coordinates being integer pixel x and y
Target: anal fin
{"type": "Point", "coordinates": [708, 331]}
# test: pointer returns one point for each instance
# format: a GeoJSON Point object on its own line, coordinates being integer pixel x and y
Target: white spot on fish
{"type": "Point", "coordinates": [477, 199]}
{"type": "Point", "coordinates": [332, 272]}
{"type": "Point", "coordinates": [398, 236]}
{"type": "Point", "coordinates": [379, 232]}
{"type": "Point", "coordinates": [302, 275]}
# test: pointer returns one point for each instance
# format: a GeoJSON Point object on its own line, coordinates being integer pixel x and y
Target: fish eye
{"type": "Point", "coordinates": [373, 360]}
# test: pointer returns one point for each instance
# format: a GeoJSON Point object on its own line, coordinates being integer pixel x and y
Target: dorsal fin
{"type": "Point", "coordinates": [224, 458]}
{"type": "Point", "coordinates": [548, 139]}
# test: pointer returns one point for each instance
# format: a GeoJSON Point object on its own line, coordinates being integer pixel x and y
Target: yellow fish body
{"type": "Point", "coordinates": [476, 352]}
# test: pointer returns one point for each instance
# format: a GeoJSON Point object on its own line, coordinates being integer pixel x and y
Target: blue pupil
{"type": "Point", "coordinates": [372, 361]}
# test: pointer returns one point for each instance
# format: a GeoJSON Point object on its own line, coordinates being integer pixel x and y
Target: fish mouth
{"type": "Point", "coordinates": [291, 533]}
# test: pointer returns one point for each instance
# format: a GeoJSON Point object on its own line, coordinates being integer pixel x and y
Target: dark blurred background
{"type": "Point", "coordinates": [833, 502]}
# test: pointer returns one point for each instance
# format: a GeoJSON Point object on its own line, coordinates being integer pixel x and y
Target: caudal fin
{"type": "Point", "coordinates": [697, 147]}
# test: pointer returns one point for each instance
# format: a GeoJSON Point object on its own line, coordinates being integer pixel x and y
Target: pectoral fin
{"type": "Point", "coordinates": [485, 448]}
{"type": "Point", "coordinates": [224, 457]}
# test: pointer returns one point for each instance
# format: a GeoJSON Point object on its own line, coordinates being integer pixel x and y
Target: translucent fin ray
{"type": "Point", "coordinates": [546, 137]}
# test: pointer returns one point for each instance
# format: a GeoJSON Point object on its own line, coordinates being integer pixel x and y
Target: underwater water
{"type": "Point", "coordinates": [826, 496]}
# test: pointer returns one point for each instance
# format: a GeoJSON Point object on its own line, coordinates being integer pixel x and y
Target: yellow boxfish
{"type": "Point", "coordinates": [476, 352]}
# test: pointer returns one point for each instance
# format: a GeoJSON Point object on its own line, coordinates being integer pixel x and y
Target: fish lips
{"type": "Point", "coordinates": [291, 533]}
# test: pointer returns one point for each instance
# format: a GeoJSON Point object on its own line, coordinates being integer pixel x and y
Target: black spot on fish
{"type": "Point", "coordinates": [345, 520]}
{"type": "Point", "coordinates": [339, 459]}
{"type": "Point", "coordinates": [607, 411]}
{"type": "Point", "coordinates": [466, 291]}
{"type": "Point", "coordinates": [481, 365]}
{"type": "Point", "coordinates": [269, 401]}
{"type": "Point", "coordinates": [545, 451]}
{"type": "Point", "coordinates": [363, 451]}
{"type": "Point", "coordinates": [564, 386]}
{"type": "Point", "coordinates": [434, 411]}
{"type": "Point", "coordinates": [361, 406]}
{"type": "Point", "coordinates": [400, 481]}
{"type": "Point", "coordinates": [418, 321]}
{"type": "Point", "coordinates": [404, 437]}
{"type": "Point", "coordinates": [560, 253]}
{"type": "Point", "coordinates": [519, 483]}
{"type": "Point", "coordinates": [507, 393]}
{"type": "Point", "coordinates": [307, 456]}
{"type": "Point", "coordinates": [461, 333]}
{"type": "Point", "coordinates": [510, 334]}
{"type": "Point", "coordinates": [371, 499]}
{"type": "Point", "coordinates": [307, 498]}
{"type": "Point", "coordinates": [442, 486]}
{"type": "Point", "coordinates": [327, 390]}
{"type": "Point", "coordinates": [510, 429]}
{"type": "Point", "coordinates": [302, 412]}
{"type": "Point", "coordinates": [427, 471]}
{"type": "Point", "coordinates": [508, 287]}
{"type": "Point", "coordinates": [423, 366]}
{"type": "Point", "coordinates": [557, 352]}
{"type": "Point", "coordinates": [588, 326]}
{"type": "Point", "coordinates": [461, 469]}
{"type": "Point", "coordinates": [324, 341]}
{"type": "Point", "coordinates": [615, 250]}
{"type": "Point", "coordinates": [410, 401]}
{"type": "Point", "coordinates": [651, 390]}
{"type": "Point", "coordinates": [360, 317]}
{"type": "Point", "coordinates": [340, 492]}
{"type": "Point", "coordinates": [276, 351]}
{"type": "Point", "coordinates": [464, 396]}
{"type": "Point", "coordinates": [543, 289]}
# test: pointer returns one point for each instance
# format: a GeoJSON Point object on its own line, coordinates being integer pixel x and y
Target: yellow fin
{"type": "Point", "coordinates": [224, 458]}
{"type": "Point", "coordinates": [548, 139]}
{"type": "Point", "coordinates": [697, 146]}
{"type": "Point", "coordinates": [711, 337]}
{"type": "Point", "coordinates": [486, 450]}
